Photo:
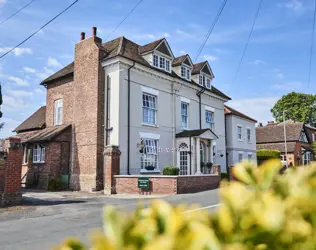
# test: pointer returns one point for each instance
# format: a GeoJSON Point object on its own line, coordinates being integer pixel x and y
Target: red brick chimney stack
{"type": "Point", "coordinates": [94, 31]}
{"type": "Point", "coordinates": [82, 36]}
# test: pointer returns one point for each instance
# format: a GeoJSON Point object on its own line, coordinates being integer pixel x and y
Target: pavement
{"type": "Point", "coordinates": [46, 219]}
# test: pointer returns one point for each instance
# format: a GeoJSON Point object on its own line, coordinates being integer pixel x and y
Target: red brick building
{"type": "Point", "coordinates": [299, 140]}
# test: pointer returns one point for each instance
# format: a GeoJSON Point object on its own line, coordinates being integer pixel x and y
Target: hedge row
{"type": "Point", "coordinates": [266, 154]}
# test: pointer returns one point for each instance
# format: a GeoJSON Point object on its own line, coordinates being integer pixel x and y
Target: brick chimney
{"type": "Point", "coordinates": [88, 111]}
{"type": "Point", "coordinates": [82, 36]}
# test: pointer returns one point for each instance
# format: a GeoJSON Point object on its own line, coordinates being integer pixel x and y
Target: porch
{"type": "Point", "coordinates": [196, 151]}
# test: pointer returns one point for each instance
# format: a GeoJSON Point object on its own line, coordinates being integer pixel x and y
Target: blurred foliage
{"type": "Point", "coordinates": [264, 210]}
{"type": "Point", "coordinates": [267, 154]}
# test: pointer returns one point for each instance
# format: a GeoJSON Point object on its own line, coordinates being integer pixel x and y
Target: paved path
{"type": "Point", "coordinates": [50, 221]}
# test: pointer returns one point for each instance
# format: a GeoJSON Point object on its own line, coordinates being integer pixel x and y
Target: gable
{"type": "Point", "coordinates": [303, 137]}
{"type": "Point", "coordinates": [187, 62]}
{"type": "Point", "coordinates": [206, 70]}
{"type": "Point", "coordinates": [164, 49]}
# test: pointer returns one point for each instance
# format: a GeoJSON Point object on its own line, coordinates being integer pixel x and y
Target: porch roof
{"type": "Point", "coordinates": [45, 134]}
{"type": "Point", "coordinates": [202, 133]}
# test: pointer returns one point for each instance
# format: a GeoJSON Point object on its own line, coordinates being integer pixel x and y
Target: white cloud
{"type": "Point", "coordinates": [9, 125]}
{"type": "Point", "coordinates": [52, 62]}
{"type": "Point", "coordinates": [257, 62]}
{"type": "Point", "coordinates": [12, 104]}
{"type": "Point", "coordinates": [19, 93]}
{"type": "Point", "coordinates": [29, 70]}
{"type": "Point", "coordinates": [184, 33]}
{"type": "Point", "coordinates": [257, 108]}
{"type": "Point", "coordinates": [39, 91]}
{"type": "Point", "coordinates": [17, 80]}
{"type": "Point", "coordinates": [210, 58]}
{"type": "Point", "coordinates": [295, 5]}
{"type": "Point", "coordinates": [17, 51]}
{"type": "Point", "coordinates": [278, 73]}
{"type": "Point", "coordinates": [2, 2]}
{"type": "Point", "coordinates": [183, 52]}
{"type": "Point", "coordinates": [222, 51]}
{"type": "Point", "coordinates": [288, 86]}
{"type": "Point", "coordinates": [166, 34]}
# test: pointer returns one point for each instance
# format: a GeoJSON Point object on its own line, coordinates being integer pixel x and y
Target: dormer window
{"type": "Point", "coordinates": [161, 62]}
{"type": "Point", "coordinates": [185, 73]}
{"type": "Point", "coordinates": [205, 81]}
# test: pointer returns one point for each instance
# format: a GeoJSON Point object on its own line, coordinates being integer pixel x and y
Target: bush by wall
{"type": "Point", "coordinates": [267, 154]}
{"type": "Point", "coordinates": [264, 210]}
{"type": "Point", "coordinates": [170, 170]}
{"type": "Point", "coordinates": [55, 184]}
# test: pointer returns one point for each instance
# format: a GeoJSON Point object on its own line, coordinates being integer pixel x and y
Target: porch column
{"type": "Point", "coordinates": [211, 152]}
{"type": "Point", "coordinates": [198, 159]}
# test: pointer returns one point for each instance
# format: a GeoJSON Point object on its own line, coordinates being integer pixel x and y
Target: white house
{"type": "Point", "coordinates": [163, 110]}
{"type": "Point", "coordinates": [240, 136]}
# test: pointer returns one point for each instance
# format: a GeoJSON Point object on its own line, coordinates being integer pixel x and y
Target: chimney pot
{"type": "Point", "coordinates": [82, 36]}
{"type": "Point", "coordinates": [94, 31]}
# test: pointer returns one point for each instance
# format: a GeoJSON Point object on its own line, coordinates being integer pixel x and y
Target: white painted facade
{"type": "Point", "coordinates": [170, 92]}
{"type": "Point", "coordinates": [240, 148]}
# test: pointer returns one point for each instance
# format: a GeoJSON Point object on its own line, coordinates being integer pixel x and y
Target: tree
{"type": "Point", "coordinates": [299, 107]}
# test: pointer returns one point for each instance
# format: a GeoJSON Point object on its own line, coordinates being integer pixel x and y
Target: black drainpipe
{"type": "Point", "coordinates": [199, 93]}
{"type": "Point", "coordinates": [129, 115]}
{"type": "Point", "coordinates": [107, 111]}
{"type": "Point", "coordinates": [190, 157]}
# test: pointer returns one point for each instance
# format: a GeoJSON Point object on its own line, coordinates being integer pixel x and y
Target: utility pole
{"type": "Point", "coordinates": [285, 146]}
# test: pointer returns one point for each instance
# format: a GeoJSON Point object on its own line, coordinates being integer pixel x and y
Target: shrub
{"type": "Point", "coordinates": [263, 211]}
{"type": "Point", "coordinates": [268, 154]}
{"type": "Point", "coordinates": [170, 170]}
{"type": "Point", "coordinates": [55, 184]}
{"type": "Point", "coordinates": [225, 176]}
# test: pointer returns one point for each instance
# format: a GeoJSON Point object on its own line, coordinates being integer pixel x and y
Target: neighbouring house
{"type": "Point", "coordinates": [299, 140]}
{"type": "Point", "coordinates": [159, 109]}
{"type": "Point", "coordinates": [240, 137]}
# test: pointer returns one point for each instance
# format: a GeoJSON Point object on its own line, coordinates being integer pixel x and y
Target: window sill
{"type": "Point", "coordinates": [38, 162]}
{"type": "Point", "coordinates": [143, 171]}
{"type": "Point", "coordinates": [150, 125]}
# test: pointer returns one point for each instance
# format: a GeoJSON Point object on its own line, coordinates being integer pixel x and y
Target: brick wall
{"type": "Point", "coordinates": [88, 136]}
{"type": "Point", "coordinates": [127, 184]}
{"type": "Point", "coordinates": [192, 184]}
{"type": "Point", "coordinates": [56, 90]}
{"type": "Point", "coordinates": [10, 194]}
{"type": "Point", "coordinates": [158, 185]}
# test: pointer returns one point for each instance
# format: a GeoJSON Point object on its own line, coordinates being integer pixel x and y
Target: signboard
{"type": "Point", "coordinates": [143, 182]}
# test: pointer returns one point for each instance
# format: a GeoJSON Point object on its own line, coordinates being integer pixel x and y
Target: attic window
{"type": "Point", "coordinates": [205, 81]}
{"type": "Point", "coordinates": [161, 63]}
{"type": "Point", "coordinates": [185, 73]}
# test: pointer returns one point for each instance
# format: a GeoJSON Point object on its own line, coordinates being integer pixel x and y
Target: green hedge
{"type": "Point", "coordinates": [266, 154]}
{"type": "Point", "coordinates": [170, 170]}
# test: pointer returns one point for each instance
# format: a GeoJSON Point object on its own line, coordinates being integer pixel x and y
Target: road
{"type": "Point", "coordinates": [47, 224]}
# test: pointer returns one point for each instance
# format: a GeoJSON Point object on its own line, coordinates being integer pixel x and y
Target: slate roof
{"type": "Point", "coordinates": [278, 146]}
{"type": "Point", "coordinates": [195, 132]}
{"type": "Point", "coordinates": [231, 111]}
{"type": "Point", "coordinates": [42, 135]}
{"type": "Point", "coordinates": [275, 132]}
{"type": "Point", "coordinates": [35, 121]}
{"type": "Point", "coordinates": [178, 60]}
{"type": "Point", "coordinates": [150, 46]}
{"type": "Point", "coordinates": [197, 67]}
{"type": "Point", "coordinates": [130, 50]}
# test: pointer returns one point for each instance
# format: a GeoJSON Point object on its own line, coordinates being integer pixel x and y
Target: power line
{"type": "Point", "coordinates": [209, 32]}
{"type": "Point", "coordinates": [16, 12]}
{"type": "Point", "coordinates": [312, 47]}
{"type": "Point", "coordinates": [18, 45]}
{"type": "Point", "coordinates": [131, 11]}
{"type": "Point", "coordinates": [246, 46]}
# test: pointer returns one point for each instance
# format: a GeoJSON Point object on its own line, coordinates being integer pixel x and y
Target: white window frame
{"type": "Point", "coordinates": [153, 109]}
{"type": "Point", "coordinates": [162, 62]}
{"type": "Point", "coordinates": [239, 136]}
{"type": "Point", "coordinates": [185, 72]}
{"type": "Point", "coordinates": [242, 156]}
{"type": "Point", "coordinates": [150, 154]}
{"type": "Point", "coordinates": [204, 80]}
{"type": "Point", "coordinates": [185, 115]}
{"type": "Point", "coordinates": [249, 135]}
{"type": "Point", "coordinates": [208, 82]}
{"type": "Point", "coordinates": [209, 123]}
{"type": "Point", "coordinates": [58, 112]}
{"type": "Point", "coordinates": [25, 156]}
{"type": "Point", "coordinates": [38, 153]}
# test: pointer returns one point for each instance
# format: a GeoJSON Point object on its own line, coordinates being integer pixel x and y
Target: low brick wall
{"type": "Point", "coordinates": [10, 199]}
{"type": "Point", "coordinates": [127, 184]}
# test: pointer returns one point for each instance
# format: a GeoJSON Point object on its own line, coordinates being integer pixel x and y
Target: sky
{"type": "Point", "coordinates": [276, 61]}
